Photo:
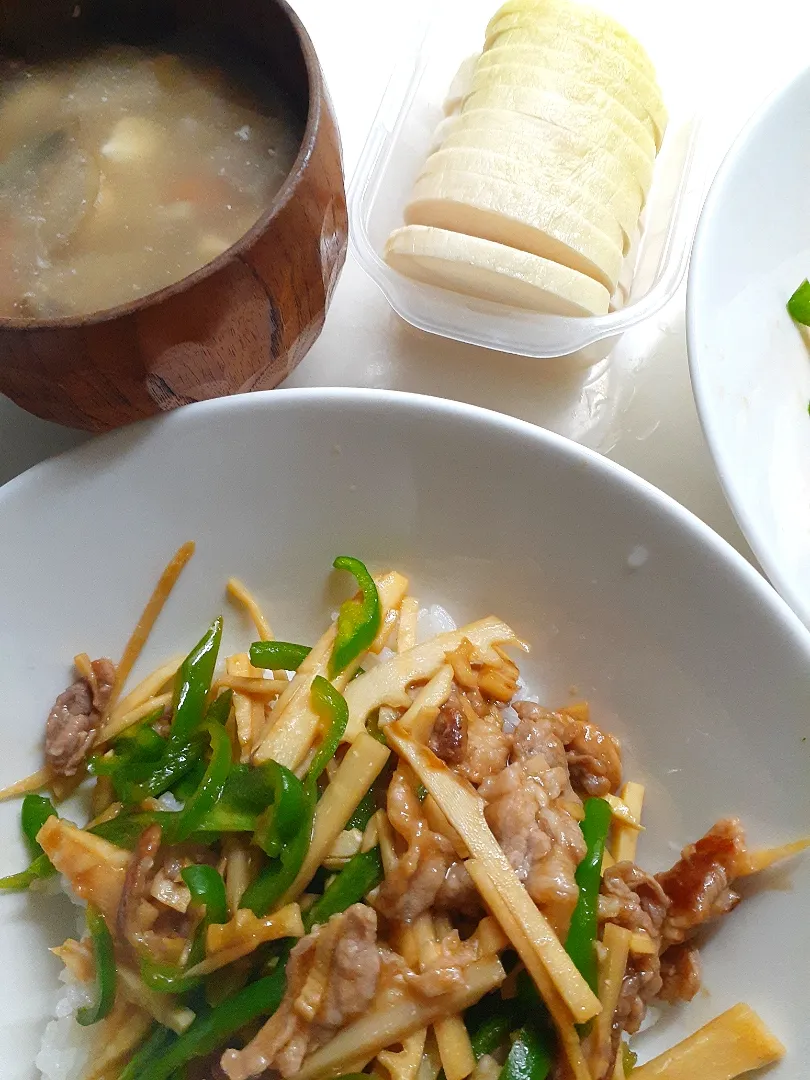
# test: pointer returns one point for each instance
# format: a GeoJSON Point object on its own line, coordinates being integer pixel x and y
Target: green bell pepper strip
{"type": "Point", "coordinates": [157, 1042]}
{"type": "Point", "coordinates": [167, 978]}
{"type": "Point", "coordinates": [124, 830]}
{"type": "Point", "coordinates": [202, 802]}
{"type": "Point", "coordinates": [193, 683]}
{"type": "Point", "coordinates": [208, 889]}
{"type": "Point", "coordinates": [375, 731]}
{"type": "Point", "coordinates": [36, 809]}
{"type": "Point", "coordinates": [331, 706]}
{"type": "Point", "coordinates": [279, 824]}
{"type": "Point", "coordinates": [284, 830]}
{"type": "Point", "coordinates": [799, 304]}
{"type": "Point", "coordinates": [141, 742]}
{"type": "Point", "coordinates": [136, 756]}
{"type": "Point", "coordinates": [581, 942]}
{"type": "Point", "coordinates": [629, 1059]}
{"type": "Point", "coordinates": [138, 744]}
{"type": "Point", "coordinates": [531, 1056]}
{"type": "Point", "coordinates": [185, 787]}
{"type": "Point", "coordinates": [278, 655]}
{"type": "Point", "coordinates": [249, 790]}
{"type": "Point", "coordinates": [104, 957]}
{"type": "Point", "coordinates": [364, 811]}
{"type": "Point", "coordinates": [218, 713]}
{"type": "Point", "coordinates": [276, 878]}
{"type": "Point", "coordinates": [135, 781]}
{"type": "Point", "coordinates": [358, 620]}
{"type": "Point", "coordinates": [40, 868]}
{"type": "Point", "coordinates": [220, 709]}
{"type": "Point", "coordinates": [528, 997]}
{"type": "Point", "coordinates": [362, 873]}
{"type": "Point", "coordinates": [492, 1033]}
{"type": "Point", "coordinates": [208, 1033]}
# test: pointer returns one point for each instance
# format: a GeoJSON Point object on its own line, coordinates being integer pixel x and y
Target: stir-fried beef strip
{"type": "Point", "coordinates": [680, 973]}
{"type": "Point", "coordinates": [457, 893]}
{"type": "Point", "coordinates": [671, 907]}
{"type": "Point", "coordinates": [135, 914]}
{"type": "Point", "coordinates": [72, 724]}
{"type": "Point", "coordinates": [594, 759]}
{"type": "Point", "coordinates": [637, 902]}
{"type": "Point", "coordinates": [332, 978]}
{"type": "Point", "coordinates": [534, 814]}
{"type": "Point", "coordinates": [448, 739]}
{"type": "Point", "coordinates": [699, 885]}
{"type": "Point", "coordinates": [412, 887]}
{"type": "Point", "coordinates": [468, 735]}
{"type": "Point", "coordinates": [445, 969]}
{"type": "Point", "coordinates": [488, 745]}
{"type": "Point", "coordinates": [104, 675]}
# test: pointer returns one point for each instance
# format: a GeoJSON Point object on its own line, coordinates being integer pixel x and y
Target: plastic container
{"type": "Point", "coordinates": [400, 140]}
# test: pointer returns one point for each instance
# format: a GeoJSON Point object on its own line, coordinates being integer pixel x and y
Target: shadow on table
{"type": "Point", "coordinates": [26, 440]}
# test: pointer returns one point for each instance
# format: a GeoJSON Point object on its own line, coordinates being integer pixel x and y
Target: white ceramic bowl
{"type": "Point", "coordinates": [750, 366]}
{"type": "Point", "coordinates": [682, 648]}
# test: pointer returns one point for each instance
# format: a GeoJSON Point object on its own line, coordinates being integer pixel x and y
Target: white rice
{"type": "Point", "coordinates": [66, 1045]}
{"type": "Point", "coordinates": [167, 801]}
{"type": "Point", "coordinates": [433, 620]}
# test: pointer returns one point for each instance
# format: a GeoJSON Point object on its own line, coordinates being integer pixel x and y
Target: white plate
{"type": "Point", "coordinates": [750, 367]}
{"type": "Point", "coordinates": [682, 648]}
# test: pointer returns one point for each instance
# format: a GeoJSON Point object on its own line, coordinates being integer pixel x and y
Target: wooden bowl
{"type": "Point", "coordinates": [243, 321]}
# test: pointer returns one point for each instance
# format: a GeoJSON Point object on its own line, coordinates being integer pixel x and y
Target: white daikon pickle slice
{"type": "Point", "coordinates": [519, 217]}
{"type": "Point", "coordinates": [491, 271]}
{"type": "Point", "coordinates": [610, 127]}
{"type": "Point", "coordinates": [547, 23]}
{"type": "Point", "coordinates": [506, 69]}
{"type": "Point", "coordinates": [591, 56]}
{"type": "Point", "coordinates": [529, 137]}
{"type": "Point", "coordinates": [576, 19]}
{"type": "Point", "coordinates": [597, 196]}
{"type": "Point", "coordinates": [461, 85]}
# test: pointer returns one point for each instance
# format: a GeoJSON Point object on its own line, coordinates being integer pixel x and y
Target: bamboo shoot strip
{"type": "Point", "coordinates": [387, 684]}
{"type": "Point", "coordinates": [754, 861]}
{"type": "Point", "coordinates": [391, 1023]}
{"type": "Point", "coordinates": [359, 769]}
{"type": "Point", "coordinates": [625, 837]}
{"type": "Point", "coordinates": [616, 942]}
{"type": "Point", "coordinates": [294, 724]}
{"type": "Point", "coordinates": [733, 1043]}
{"type": "Point", "coordinates": [149, 615]}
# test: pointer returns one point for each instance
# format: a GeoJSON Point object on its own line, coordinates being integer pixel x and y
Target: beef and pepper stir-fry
{"type": "Point", "coordinates": [374, 856]}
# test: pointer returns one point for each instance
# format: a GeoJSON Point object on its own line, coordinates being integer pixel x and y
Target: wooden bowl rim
{"type": "Point", "coordinates": [316, 90]}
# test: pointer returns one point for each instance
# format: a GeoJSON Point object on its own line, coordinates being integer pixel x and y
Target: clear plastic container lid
{"type": "Point", "coordinates": [401, 139]}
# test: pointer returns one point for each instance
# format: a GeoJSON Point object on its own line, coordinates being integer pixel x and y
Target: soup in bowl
{"type": "Point", "coordinates": [126, 169]}
{"type": "Point", "coordinates": [172, 215]}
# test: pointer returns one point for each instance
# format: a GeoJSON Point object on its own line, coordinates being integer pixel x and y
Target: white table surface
{"type": "Point", "coordinates": [637, 406]}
